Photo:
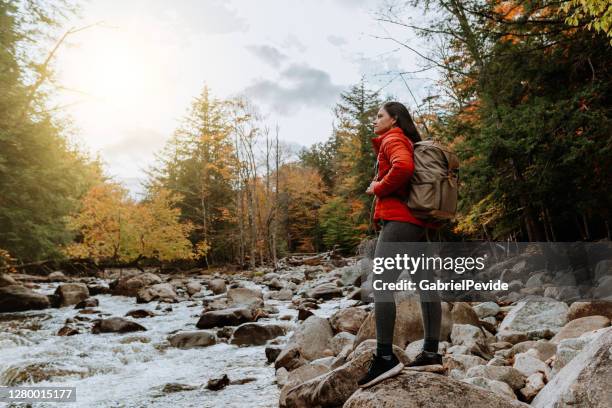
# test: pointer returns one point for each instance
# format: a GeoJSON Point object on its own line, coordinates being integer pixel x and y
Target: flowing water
{"type": "Point", "coordinates": [130, 370]}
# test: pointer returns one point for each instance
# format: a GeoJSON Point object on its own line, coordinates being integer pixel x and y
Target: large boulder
{"type": "Point", "coordinates": [299, 376]}
{"type": "Point", "coordinates": [509, 375]}
{"type": "Point", "coordinates": [192, 339]}
{"type": "Point", "coordinates": [6, 280]}
{"type": "Point", "coordinates": [313, 337]}
{"type": "Point", "coordinates": [413, 389]}
{"type": "Point", "coordinates": [348, 320]}
{"type": "Point", "coordinates": [325, 291]}
{"type": "Point", "coordinates": [71, 293]}
{"type": "Point", "coordinates": [596, 308]}
{"type": "Point", "coordinates": [225, 317]}
{"type": "Point", "coordinates": [408, 323]}
{"type": "Point", "coordinates": [16, 298]}
{"type": "Point", "coordinates": [130, 284]}
{"type": "Point", "coordinates": [116, 325]}
{"type": "Point", "coordinates": [335, 387]}
{"type": "Point", "coordinates": [217, 286]}
{"type": "Point", "coordinates": [193, 287]}
{"type": "Point", "coordinates": [256, 334]}
{"type": "Point", "coordinates": [57, 276]}
{"type": "Point", "coordinates": [252, 298]}
{"type": "Point", "coordinates": [535, 314]}
{"type": "Point", "coordinates": [163, 292]}
{"type": "Point", "coordinates": [577, 327]}
{"type": "Point", "coordinates": [472, 337]}
{"type": "Point", "coordinates": [584, 381]}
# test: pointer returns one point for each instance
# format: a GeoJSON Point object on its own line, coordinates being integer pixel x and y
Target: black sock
{"type": "Point", "coordinates": [384, 350]}
{"type": "Point", "coordinates": [431, 345]}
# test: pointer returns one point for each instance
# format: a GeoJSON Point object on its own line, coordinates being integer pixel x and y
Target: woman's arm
{"type": "Point", "coordinates": [400, 155]}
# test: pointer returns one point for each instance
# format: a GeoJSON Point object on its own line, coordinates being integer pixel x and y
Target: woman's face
{"type": "Point", "coordinates": [383, 122]}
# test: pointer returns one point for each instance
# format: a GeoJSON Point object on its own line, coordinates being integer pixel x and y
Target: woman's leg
{"type": "Point", "coordinates": [384, 306]}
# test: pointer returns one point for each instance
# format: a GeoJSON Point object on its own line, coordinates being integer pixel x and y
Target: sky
{"type": "Point", "coordinates": [128, 80]}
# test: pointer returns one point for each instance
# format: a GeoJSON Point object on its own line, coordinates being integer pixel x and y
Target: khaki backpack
{"type": "Point", "coordinates": [433, 189]}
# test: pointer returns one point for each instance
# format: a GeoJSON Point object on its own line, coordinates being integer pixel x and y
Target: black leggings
{"type": "Point", "coordinates": [384, 309]}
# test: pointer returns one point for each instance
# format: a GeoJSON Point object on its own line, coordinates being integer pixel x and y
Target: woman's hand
{"type": "Point", "coordinates": [370, 189]}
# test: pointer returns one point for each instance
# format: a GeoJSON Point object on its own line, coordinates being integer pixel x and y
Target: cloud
{"type": "Point", "coordinates": [336, 40]}
{"type": "Point", "coordinates": [298, 86]}
{"type": "Point", "coordinates": [136, 143]}
{"type": "Point", "coordinates": [291, 41]}
{"type": "Point", "coordinates": [210, 16]}
{"type": "Point", "coordinates": [268, 54]}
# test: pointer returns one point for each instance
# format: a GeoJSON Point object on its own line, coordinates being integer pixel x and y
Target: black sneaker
{"type": "Point", "coordinates": [379, 370]}
{"type": "Point", "coordinates": [425, 358]}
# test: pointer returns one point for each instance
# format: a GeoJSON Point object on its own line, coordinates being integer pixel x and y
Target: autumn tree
{"type": "Point", "coordinates": [113, 227]}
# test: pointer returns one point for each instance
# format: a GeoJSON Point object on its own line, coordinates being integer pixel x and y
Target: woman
{"type": "Point", "coordinates": [394, 148]}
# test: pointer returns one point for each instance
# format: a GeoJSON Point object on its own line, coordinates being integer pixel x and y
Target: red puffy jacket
{"type": "Point", "coordinates": [395, 168]}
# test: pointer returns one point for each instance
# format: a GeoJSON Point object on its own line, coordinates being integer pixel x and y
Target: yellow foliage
{"type": "Point", "coordinates": [111, 225]}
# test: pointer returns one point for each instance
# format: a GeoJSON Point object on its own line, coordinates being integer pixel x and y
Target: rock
{"type": "Point", "coordinates": [225, 332]}
{"type": "Point", "coordinates": [498, 387]}
{"type": "Point", "coordinates": [116, 325]}
{"type": "Point", "coordinates": [217, 286]}
{"type": "Point", "coordinates": [216, 384]}
{"type": "Point", "coordinates": [416, 347]}
{"type": "Point", "coordinates": [290, 358]}
{"type": "Point", "coordinates": [176, 387]}
{"type": "Point", "coordinates": [67, 331]}
{"type": "Point", "coordinates": [543, 348]}
{"type": "Point", "coordinates": [312, 337]}
{"type": "Point", "coordinates": [348, 319]}
{"type": "Point", "coordinates": [256, 334]}
{"type": "Point", "coordinates": [471, 337]}
{"type": "Point", "coordinates": [596, 308]}
{"type": "Point", "coordinates": [140, 313]}
{"type": "Point", "coordinates": [333, 388]}
{"type": "Point", "coordinates": [282, 376]}
{"type": "Point", "coordinates": [462, 362]}
{"type": "Point", "coordinates": [272, 353]}
{"type": "Point", "coordinates": [192, 339]}
{"type": "Point", "coordinates": [89, 302]}
{"type": "Point", "coordinates": [486, 309]}
{"type": "Point", "coordinates": [576, 327]}
{"type": "Point", "coordinates": [509, 375]}
{"type": "Point", "coordinates": [226, 317]}
{"type": "Point", "coordinates": [98, 289]}
{"type": "Point", "coordinates": [246, 296]}
{"type": "Point", "coordinates": [7, 280]}
{"type": "Point", "coordinates": [304, 314]}
{"type": "Point", "coordinates": [533, 385]}
{"type": "Point", "coordinates": [463, 313]}
{"type": "Point", "coordinates": [16, 298]}
{"type": "Point", "coordinates": [535, 314]}
{"type": "Point", "coordinates": [283, 294]}
{"type": "Point", "coordinates": [163, 292]}
{"type": "Point", "coordinates": [325, 291]}
{"type": "Point", "coordinates": [130, 285]}
{"type": "Point", "coordinates": [57, 276]}
{"type": "Point", "coordinates": [408, 325]}
{"type": "Point", "coordinates": [603, 268]}
{"type": "Point", "coordinates": [71, 293]}
{"type": "Point", "coordinates": [414, 390]}
{"type": "Point", "coordinates": [193, 287]}
{"type": "Point", "coordinates": [351, 275]}
{"type": "Point", "coordinates": [511, 336]}
{"type": "Point", "coordinates": [528, 364]}
{"type": "Point", "coordinates": [341, 340]}
{"type": "Point", "coordinates": [585, 380]}
{"type": "Point", "coordinates": [570, 348]}
{"type": "Point", "coordinates": [299, 376]}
